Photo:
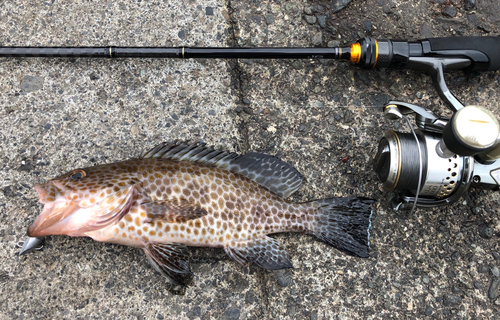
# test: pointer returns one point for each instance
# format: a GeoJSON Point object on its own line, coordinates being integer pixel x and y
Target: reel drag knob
{"type": "Point", "coordinates": [471, 130]}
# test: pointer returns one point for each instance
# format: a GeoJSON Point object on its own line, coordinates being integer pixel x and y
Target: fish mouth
{"type": "Point", "coordinates": [56, 209]}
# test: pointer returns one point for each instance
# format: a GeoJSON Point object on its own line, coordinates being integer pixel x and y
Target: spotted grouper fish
{"type": "Point", "coordinates": [180, 194]}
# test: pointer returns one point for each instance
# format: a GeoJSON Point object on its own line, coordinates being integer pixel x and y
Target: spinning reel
{"type": "Point", "coordinates": [436, 163]}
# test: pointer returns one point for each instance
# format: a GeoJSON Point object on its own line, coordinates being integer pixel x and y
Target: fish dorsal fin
{"type": "Point", "coordinates": [172, 211]}
{"type": "Point", "coordinates": [194, 152]}
{"type": "Point", "coordinates": [171, 260]}
{"type": "Point", "coordinates": [268, 171]}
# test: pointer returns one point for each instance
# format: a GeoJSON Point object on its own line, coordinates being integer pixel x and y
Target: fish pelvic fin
{"type": "Point", "coordinates": [171, 260]}
{"type": "Point", "coordinates": [172, 211]}
{"type": "Point", "coordinates": [343, 223]}
{"type": "Point", "coordinates": [265, 252]}
{"type": "Point", "coordinates": [270, 172]}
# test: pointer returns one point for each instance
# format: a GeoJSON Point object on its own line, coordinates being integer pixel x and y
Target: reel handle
{"type": "Point", "coordinates": [471, 130]}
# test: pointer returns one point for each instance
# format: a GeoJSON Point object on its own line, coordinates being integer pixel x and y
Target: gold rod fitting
{"type": "Point", "coordinates": [355, 53]}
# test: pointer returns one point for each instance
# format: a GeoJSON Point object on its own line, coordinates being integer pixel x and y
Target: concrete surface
{"type": "Point", "coordinates": [59, 114]}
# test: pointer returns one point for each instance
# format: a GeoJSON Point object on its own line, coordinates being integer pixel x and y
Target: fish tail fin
{"type": "Point", "coordinates": [343, 223]}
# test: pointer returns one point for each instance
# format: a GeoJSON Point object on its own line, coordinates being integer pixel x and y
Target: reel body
{"type": "Point", "coordinates": [445, 175]}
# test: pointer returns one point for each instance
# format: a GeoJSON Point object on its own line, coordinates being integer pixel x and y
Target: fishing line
{"type": "Point", "coordinates": [408, 152]}
{"type": "Point", "coordinates": [419, 164]}
{"type": "Point", "coordinates": [20, 244]}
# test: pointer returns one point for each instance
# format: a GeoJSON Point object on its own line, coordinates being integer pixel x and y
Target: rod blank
{"type": "Point", "coordinates": [174, 52]}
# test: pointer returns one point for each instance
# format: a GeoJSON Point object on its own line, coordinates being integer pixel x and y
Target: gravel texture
{"type": "Point", "coordinates": [320, 116]}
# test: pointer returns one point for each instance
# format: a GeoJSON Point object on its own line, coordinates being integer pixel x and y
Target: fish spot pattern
{"type": "Point", "coordinates": [219, 207]}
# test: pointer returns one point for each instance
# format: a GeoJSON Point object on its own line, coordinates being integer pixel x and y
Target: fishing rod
{"type": "Point", "coordinates": [433, 55]}
{"type": "Point", "coordinates": [431, 166]}
{"type": "Point", "coordinates": [367, 52]}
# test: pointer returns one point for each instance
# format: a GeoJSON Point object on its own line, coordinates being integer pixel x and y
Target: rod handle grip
{"type": "Point", "coordinates": [475, 48]}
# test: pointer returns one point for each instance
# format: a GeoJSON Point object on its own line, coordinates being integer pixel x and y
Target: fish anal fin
{"type": "Point", "coordinates": [171, 260]}
{"type": "Point", "coordinates": [265, 252]}
{"type": "Point", "coordinates": [172, 211]}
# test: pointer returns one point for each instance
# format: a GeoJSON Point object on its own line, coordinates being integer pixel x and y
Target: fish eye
{"type": "Point", "coordinates": [78, 174]}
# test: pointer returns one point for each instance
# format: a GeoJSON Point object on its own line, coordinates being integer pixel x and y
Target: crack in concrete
{"type": "Point", "coordinates": [236, 75]}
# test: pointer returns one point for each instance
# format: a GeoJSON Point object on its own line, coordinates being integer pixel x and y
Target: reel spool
{"type": "Point", "coordinates": [397, 165]}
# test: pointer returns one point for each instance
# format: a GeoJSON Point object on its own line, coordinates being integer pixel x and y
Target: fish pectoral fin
{"type": "Point", "coordinates": [172, 211]}
{"type": "Point", "coordinates": [171, 260]}
{"type": "Point", "coordinates": [266, 252]}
